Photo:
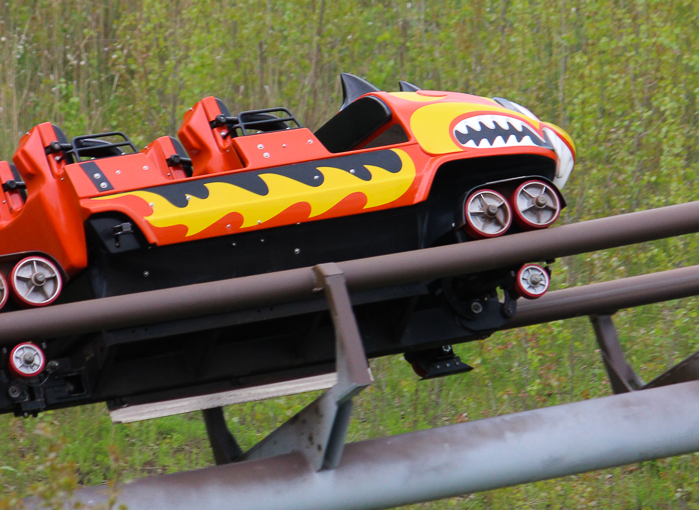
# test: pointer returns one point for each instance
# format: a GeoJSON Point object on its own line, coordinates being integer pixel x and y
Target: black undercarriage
{"type": "Point", "coordinates": [247, 348]}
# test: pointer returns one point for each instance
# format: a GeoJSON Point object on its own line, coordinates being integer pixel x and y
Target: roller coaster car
{"type": "Point", "coordinates": [258, 192]}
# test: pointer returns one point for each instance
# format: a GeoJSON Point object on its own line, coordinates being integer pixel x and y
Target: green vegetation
{"type": "Point", "coordinates": [619, 75]}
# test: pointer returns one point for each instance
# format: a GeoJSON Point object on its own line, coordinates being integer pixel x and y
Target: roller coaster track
{"type": "Point", "coordinates": [286, 472]}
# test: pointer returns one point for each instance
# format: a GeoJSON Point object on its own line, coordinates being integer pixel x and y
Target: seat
{"type": "Point", "coordinates": [354, 124]}
{"type": "Point", "coordinates": [169, 156]}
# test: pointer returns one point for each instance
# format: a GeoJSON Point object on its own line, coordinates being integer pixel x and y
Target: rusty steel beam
{"type": "Point", "coordinates": [440, 463]}
{"type": "Point", "coordinates": [362, 274]}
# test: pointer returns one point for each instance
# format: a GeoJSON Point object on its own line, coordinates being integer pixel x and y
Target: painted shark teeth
{"type": "Point", "coordinates": [495, 131]}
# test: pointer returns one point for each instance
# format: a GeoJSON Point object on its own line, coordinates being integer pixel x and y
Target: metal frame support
{"type": "Point", "coordinates": [685, 371]}
{"type": "Point", "coordinates": [224, 446]}
{"type": "Point", "coordinates": [478, 455]}
{"type": "Point", "coordinates": [622, 377]}
{"type": "Point", "coordinates": [319, 430]}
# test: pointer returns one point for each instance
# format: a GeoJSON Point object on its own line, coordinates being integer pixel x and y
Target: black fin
{"type": "Point", "coordinates": [354, 87]}
{"type": "Point", "coordinates": [408, 87]}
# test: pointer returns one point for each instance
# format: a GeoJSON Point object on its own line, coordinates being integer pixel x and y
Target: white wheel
{"type": "Point", "coordinates": [532, 281]}
{"type": "Point", "coordinates": [27, 360]}
{"type": "Point", "coordinates": [487, 214]}
{"type": "Point", "coordinates": [36, 281]}
{"type": "Point", "coordinates": [4, 291]}
{"type": "Point", "coordinates": [535, 204]}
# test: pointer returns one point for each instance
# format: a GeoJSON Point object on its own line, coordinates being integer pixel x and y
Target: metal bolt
{"type": "Point", "coordinates": [151, 204]}
{"type": "Point", "coordinates": [228, 226]}
{"type": "Point", "coordinates": [491, 211]}
{"type": "Point", "coordinates": [118, 172]}
{"type": "Point", "coordinates": [476, 307]}
{"type": "Point", "coordinates": [352, 170]}
{"type": "Point", "coordinates": [259, 221]}
{"type": "Point", "coordinates": [316, 177]}
{"type": "Point", "coordinates": [266, 154]}
{"type": "Point", "coordinates": [283, 146]}
{"type": "Point", "coordinates": [508, 311]}
{"type": "Point", "coordinates": [260, 146]}
{"type": "Point", "coordinates": [146, 274]}
{"type": "Point", "coordinates": [297, 251]}
{"type": "Point", "coordinates": [262, 240]}
{"type": "Point", "coordinates": [535, 279]}
{"type": "Point", "coordinates": [224, 133]}
{"type": "Point", "coordinates": [14, 391]}
{"type": "Point", "coordinates": [446, 348]}
{"type": "Point", "coordinates": [168, 174]}
{"type": "Point", "coordinates": [57, 158]}
{"type": "Point", "coordinates": [97, 176]}
{"type": "Point", "coordinates": [28, 358]}
{"type": "Point", "coordinates": [103, 185]}
{"type": "Point", "coordinates": [52, 366]}
{"type": "Point", "coordinates": [232, 244]}
{"type": "Point", "coordinates": [189, 197]}
{"type": "Point", "coordinates": [145, 167]}
{"type": "Point", "coordinates": [540, 201]}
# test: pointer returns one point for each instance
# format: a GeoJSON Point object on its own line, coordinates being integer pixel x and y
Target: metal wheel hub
{"type": "Point", "coordinates": [532, 281]}
{"type": "Point", "coordinates": [536, 204]}
{"type": "Point", "coordinates": [487, 214]}
{"type": "Point", "coordinates": [36, 281]}
{"type": "Point", "coordinates": [27, 360]}
{"type": "Point", "coordinates": [4, 291]}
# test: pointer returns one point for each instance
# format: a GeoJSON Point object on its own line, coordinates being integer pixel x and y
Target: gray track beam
{"type": "Point", "coordinates": [440, 463]}
{"type": "Point", "coordinates": [362, 274]}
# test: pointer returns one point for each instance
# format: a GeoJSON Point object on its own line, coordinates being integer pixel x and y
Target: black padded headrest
{"type": "Point", "coordinates": [351, 126]}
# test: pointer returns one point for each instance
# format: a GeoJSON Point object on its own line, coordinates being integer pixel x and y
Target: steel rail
{"type": "Point", "coordinates": [440, 463]}
{"type": "Point", "coordinates": [362, 274]}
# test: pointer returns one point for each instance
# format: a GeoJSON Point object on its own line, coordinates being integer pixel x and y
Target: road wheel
{"type": "Point", "coordinates": [27, 360]}
{"type": "Point", "coordinates": [532, 281]}
{"type": "Point", "coordinates": [36, 281]}
{"type": "Point", "coordinates": [535, 205]}
{"type": "Point", "coordinates": [487, 214]}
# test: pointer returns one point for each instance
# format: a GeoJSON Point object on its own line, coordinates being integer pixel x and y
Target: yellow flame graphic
{"type": "Point", "coordinates": [224, 198]}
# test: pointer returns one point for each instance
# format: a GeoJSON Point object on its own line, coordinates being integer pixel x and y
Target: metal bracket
{"type": "Point", "coordinates": [319, 430]}
{"type": "Point", "coordinates": [622, 377]}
